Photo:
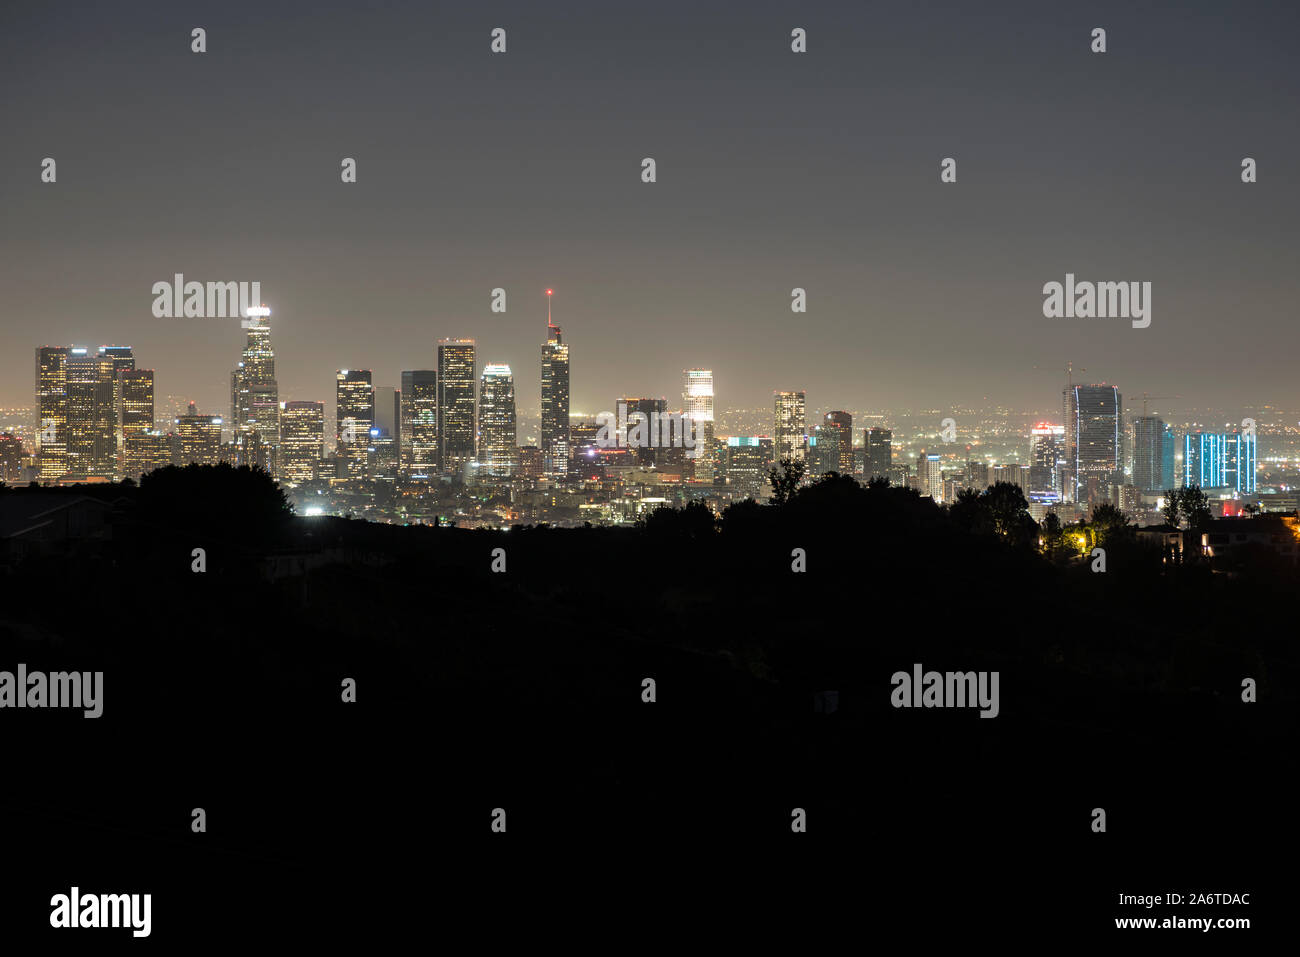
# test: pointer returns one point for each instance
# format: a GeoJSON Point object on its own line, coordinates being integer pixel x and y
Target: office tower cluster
{"type": "Point", "coordinates": [94, 414]}
{"type": "Point", "coordinates": [455, 426]}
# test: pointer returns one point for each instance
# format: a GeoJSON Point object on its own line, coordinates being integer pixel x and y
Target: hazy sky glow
{"type": "Point", "coordinates": [775, 170]}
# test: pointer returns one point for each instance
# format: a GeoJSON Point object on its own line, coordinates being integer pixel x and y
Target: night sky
{"type": "Point", "coordinates": [775, 170]}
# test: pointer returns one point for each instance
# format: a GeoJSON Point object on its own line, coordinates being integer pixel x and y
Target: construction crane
{"type": "Point", "coordinates": [1147, 396]}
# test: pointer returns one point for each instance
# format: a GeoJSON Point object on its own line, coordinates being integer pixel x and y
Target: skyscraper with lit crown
{"type": "Point", "coordinates": [555, 399]}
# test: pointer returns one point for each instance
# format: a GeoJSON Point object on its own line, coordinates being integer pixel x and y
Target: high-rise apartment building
{"type": "Point", "coordinates": [1152, 454]}
{"type": "Point", "coordinates": [1093, 450]}
{"type": "Point", "coordinates": [1046, 458]}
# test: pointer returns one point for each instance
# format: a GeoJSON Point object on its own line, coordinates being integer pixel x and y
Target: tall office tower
{"type": "Point", "coordinates": [790, 431]}
{"type": "Point", "coordinates": [92, 419]}
{"type": "Point", "coordinates": [52, 410]}
{"type": "Point", "coordinates": [388, 411]}
{"type": "Point", "coordinates": [457, 427]}
{"type": "Point", "coordinates": [1046, 450]}
{"type": "Point", "coordinates": [498, 454]}
{"type": "Point", "coordinates": [200, 437]}
{"type": "Point", "coordinates": [748, 459]}
{"type": "Point", "coordinates": [254, 394]}
{"type": "Point", "coordinates": [697, 396]}
{"type": "Point", "coordinates": [418, 405]}
{"type": "Point", "coordinates": [837, 433]}
{"type": "Point", "coordinates": [134, 418]}
{"type": "Point", "coordinates": [119, 359]}
{"type": "Point", "coordinates": [1093, 451]}
{"type": "Point", "coordinates": [1239, 461]}
{"type": "Point", "coordinates": [585, 458]}
{"type": "Point", "coordinates": [1149, 436]}
{"type": "Point", "coordinates": [978, 475]}
{"type": "Point", "coordinates": [556, 440]}
{"type": "Point", "coordinates": [302, 440]}
{"type": "Point", "coordinates": [929, 476]}
{"type": "Point", "coordinates": [354, 417]}
{"type": "Point", "coordinates": [879, 457]}
{"type": "Point", "coordinates": [11, 457]}
{"type": "Point", "coordinates": [642, 430]}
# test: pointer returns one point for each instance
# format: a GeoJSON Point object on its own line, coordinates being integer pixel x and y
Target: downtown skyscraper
{"type": "Point", "coordinates": [790, 429]}
{"type": "Point", "coordinates": [837, 434]}
{"type": "Point", "coordinates": [419, 423]}
{"type": "Point", "coordinates": [697, 396]}
{"type": "Point", "coordinates": [52, 410]}
{"type": "Point", "coordinates": [498, 453]}
{"type": "Point", "coordinates": [556, 440]}
{"type": "Point", "coordinates": [354, 416]}
{"type": "Point", "coordinates": [254, 394]}
{"type": "Point", "coordinates": [302, 440]}
{"type": "Point", "coordinates": [138, 443]}
{"type": "Point", "coordinates": [457, 424]}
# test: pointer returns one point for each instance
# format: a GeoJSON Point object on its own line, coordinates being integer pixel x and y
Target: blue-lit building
{"type": "Point", "coordinates": [1239, 461]}
{"type": "Point", "coordinates": [1203, 460]}
{"type": "Point", "coordinates": [1220, 460]}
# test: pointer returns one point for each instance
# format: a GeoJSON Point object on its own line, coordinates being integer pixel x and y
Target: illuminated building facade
{"type": "Point", "coordinates": [697, 396]}
{"type": "Point", "coordinates": [52, 410]}
{"type": "Point", "coordinates": [200, 437]}
{"type": "Point", "coordinates": [748, 459]}
{"type": "Point", "coordinates": [354, 417]}
{"type": "Point", "coordinates": [556, 441]}
{"type": "Point", "coordinates": [302, 440]}
{"type": "Point", "coordinates": [497, 453]}
{"type": "Point", "coordinates": [457, 425]}
{"type": "Point", "coordinates": [1093, 450]}
{"type": "Point", "coordinates": [419, 422]}
{"type": "Point", "coordinates": [791, 428]}
{"type": "Point", "coordinates": [837, 436]}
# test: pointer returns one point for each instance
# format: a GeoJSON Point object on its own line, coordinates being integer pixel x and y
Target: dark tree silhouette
{"type": "Point", "coordinates": [1108, 523]}
{"type": "Point", "coordinates": [1173, 506]}
{"type": "Point", "coordinates": [786, 481]}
